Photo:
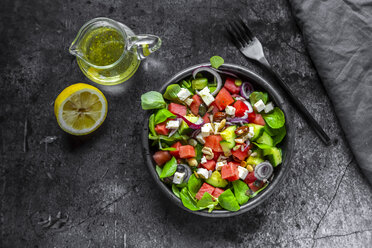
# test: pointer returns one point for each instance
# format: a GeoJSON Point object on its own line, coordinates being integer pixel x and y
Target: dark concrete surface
{"type": "Point", "coordinates": [101, 183]}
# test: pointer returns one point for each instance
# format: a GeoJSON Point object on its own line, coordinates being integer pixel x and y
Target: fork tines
{"type": "Point", "coordinates": [239, 33]}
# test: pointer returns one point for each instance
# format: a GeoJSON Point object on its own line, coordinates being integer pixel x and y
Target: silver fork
{"type": "Point", "coordinates": [242, 37]}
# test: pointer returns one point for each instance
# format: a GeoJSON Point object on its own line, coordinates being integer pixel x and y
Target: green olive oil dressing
{"type": "Point", "coordinates": [106, 59]}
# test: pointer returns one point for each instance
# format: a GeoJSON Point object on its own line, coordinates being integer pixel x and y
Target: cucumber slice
{"type": "Point", "coordinates": [254, 160]}
{"type": "Point", "coordinates": [226, 147]}
{"type": "Point", "coordinates": [216, 180]}
{"type": "Point", "coordinates": [265, 139]}
{"type": "Point", "coordinates": [199, 83]}
{"type": "Point", "coordinates": [274, 155]}
{"type": "Point", "coordinates": [257, 129]}
{"type": "Point", "coordinates": [229, 135]}
{"type": "Point", "coordinates": [184, 128]}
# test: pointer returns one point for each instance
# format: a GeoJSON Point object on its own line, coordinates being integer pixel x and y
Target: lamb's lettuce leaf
{"type": "Point", "coordinates": [240, 188]}
{"type": "Point", "coordinates": [162, 115]}
{"type": "Point", "coordinates": [275, 119]}
{"type": "Point", "coordinates": [171, 92]}
{"type": "Point", "coordinates": [228, 201]}
{"type": "Point", "coordinates": [152, 100]}
{"type": "Point", "coordinates": [169, 168]}
{"type": "Point", "coordinates": [255, 96]}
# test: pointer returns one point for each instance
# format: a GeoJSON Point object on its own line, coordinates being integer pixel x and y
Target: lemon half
{"type": "Point", "coordinates": [80, 109]}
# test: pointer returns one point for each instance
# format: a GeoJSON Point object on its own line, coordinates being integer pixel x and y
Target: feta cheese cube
{"type": "Point", "coordinates": [251, 130]}
{"type": "Point", "coordinates": [204, 91]}
{"type": "Point", "coordinates": [243, 172]}
{"type": "Point", "coordinates": [188, 101]}
{"type": "Point", "coordinates": [173, 124]}
{"type": "Point", "coordinates": [178, 177]}
{"type": "Point", "coordinates": [207, 99]}
{"type": "Point", "coordinates": [203, 173]}
{"type": "Point", "coordinates": [200, 138]}
{"type": "Point", "coordinates": [203, 160]}
{"type": "Point", "coordinates": [206, 129]}
{"type": "Point", "coordinates": [220, 164]}
{"type": "Point", "coordinates": [260, 105]}
{"type": "Point", "coordinates": [183, 94]}
{"type": "Point", "coordinates": [269, 107]}
{"type": "Point", "coordinates": [206, 96]}
{"type": "Point", "coordinates": [230, 110]}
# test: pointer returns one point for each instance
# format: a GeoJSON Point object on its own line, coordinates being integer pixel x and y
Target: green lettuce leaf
{"type": "Point", "coordinates": [187, 200]}
{"type": "Point", "coordinates": [228, 201]}
{"type": "Point", "coordinates": [194, 184]}
{"type": "Point", "coordinates": [152, 124]}
{"type": "Point", "coordinates": [240, 188]}
{"type": "Point", "coordinates": [217, 61]}
{"type": "Point", "coordinates": [176, 190]}
{"type": "Point", "coordinates": [275, 119]}
{"type": "Point", "coordinates": [162, 115]}
{"type": "Point", "coordinates": [255, 96]}
{"type": "Point", "coordinates": [207, 201]}
{"type": "Point", "coordinates": [152, 100]}
{"type": "Point", "coordinates": [169, 168]}
{"type": "Point", "coordinates": [171, 92]}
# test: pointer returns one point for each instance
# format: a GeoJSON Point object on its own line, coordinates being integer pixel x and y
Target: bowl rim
{"type": "Point", "coordinates": [275, 94]}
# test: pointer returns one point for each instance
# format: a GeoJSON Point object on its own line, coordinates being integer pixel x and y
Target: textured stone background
{"type": "Point", "coordinates": [101, 181]}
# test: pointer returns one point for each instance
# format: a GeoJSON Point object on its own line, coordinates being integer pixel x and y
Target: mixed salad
{"type": "Point", "coordinates": [216, 138]}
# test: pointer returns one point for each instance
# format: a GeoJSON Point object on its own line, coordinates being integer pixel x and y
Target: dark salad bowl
{"type": "Point", "coordinates": [286, 145]}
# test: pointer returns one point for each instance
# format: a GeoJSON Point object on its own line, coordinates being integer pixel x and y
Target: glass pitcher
{"type": "Point", "coordinates": [108, 52]}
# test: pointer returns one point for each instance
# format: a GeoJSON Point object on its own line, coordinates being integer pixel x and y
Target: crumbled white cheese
{"type": "Point", "coordinates": [200, 138]}
{"type": "Point", "coordinates": [188, 101]}
{"type": "Point", "coordinates": [204, 91]}
{"type": "Point", "coordinates": [203, 173]}
{"type": "Point", "coordinates": [183, 94]}
{"type": "Point", "coordinates": [269, 107]}
{"type": "Point", "coordinates": [203, 160]}
{"type": "Point", "coordinates": [230, 110]}
{"type": "Point", "coordinates": [251, 130]}
{"type": "Point", "coordinates": [207, 129]}
{"type": "Point", "coordinates": [173, 124]}
{"type": "Point", "coordinates": [178, 177]}
{"type": "Point", "coordinates": [206, 96]}
{"type": "Point", "coordinates": [243, 172]}
{"type": "Point", "coordinates": [220, 164]}
{"type": "Point", "coordinates": [260, 105]}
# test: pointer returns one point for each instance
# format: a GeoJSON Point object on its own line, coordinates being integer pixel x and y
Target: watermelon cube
{"type": "Point", "coordinates": [217, 192]}
{"type": "Point", "coordinates": [230, 171]}
{"type": "Point", "coordinates": [187, 151]}
{"type": "Point", "coordinates": [177, 109]}
{"type": "Point", "coordinates": [209, 165]}
{"type": "Point", "coordinates": [204, 188]}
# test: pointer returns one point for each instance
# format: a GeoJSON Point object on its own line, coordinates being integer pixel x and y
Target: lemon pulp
{"type": "Point", "coordinates": [80, 109]}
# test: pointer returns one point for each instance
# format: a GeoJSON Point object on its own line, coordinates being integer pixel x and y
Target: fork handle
{"type": "Point", "coordinates": [310, 119]}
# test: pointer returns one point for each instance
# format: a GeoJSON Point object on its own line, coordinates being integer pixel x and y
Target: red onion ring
{"type": "Point", "coordinates": [246, 89]}
{"type": "Point", "coordinates": [238, 120]}
{"type": "Point", "coordinates": [214, 73]}
{"type": "Point", "coordinates": [195, 133]}
{"type": "Point", "coordinates": [175, 130]}
{"type": "Point", "coordinates": [263, 170]}
{"type": "Point", "coordinates": [226, 72]}
{"type": "Point", "coordinates": [190, 124]}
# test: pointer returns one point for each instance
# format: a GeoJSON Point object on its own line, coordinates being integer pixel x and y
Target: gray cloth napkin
{"type": "Point", "coordinates": [338, 35]}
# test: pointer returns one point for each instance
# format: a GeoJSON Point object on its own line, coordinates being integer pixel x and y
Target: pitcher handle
{"type": "Point", "coordinates": [145, 44]}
